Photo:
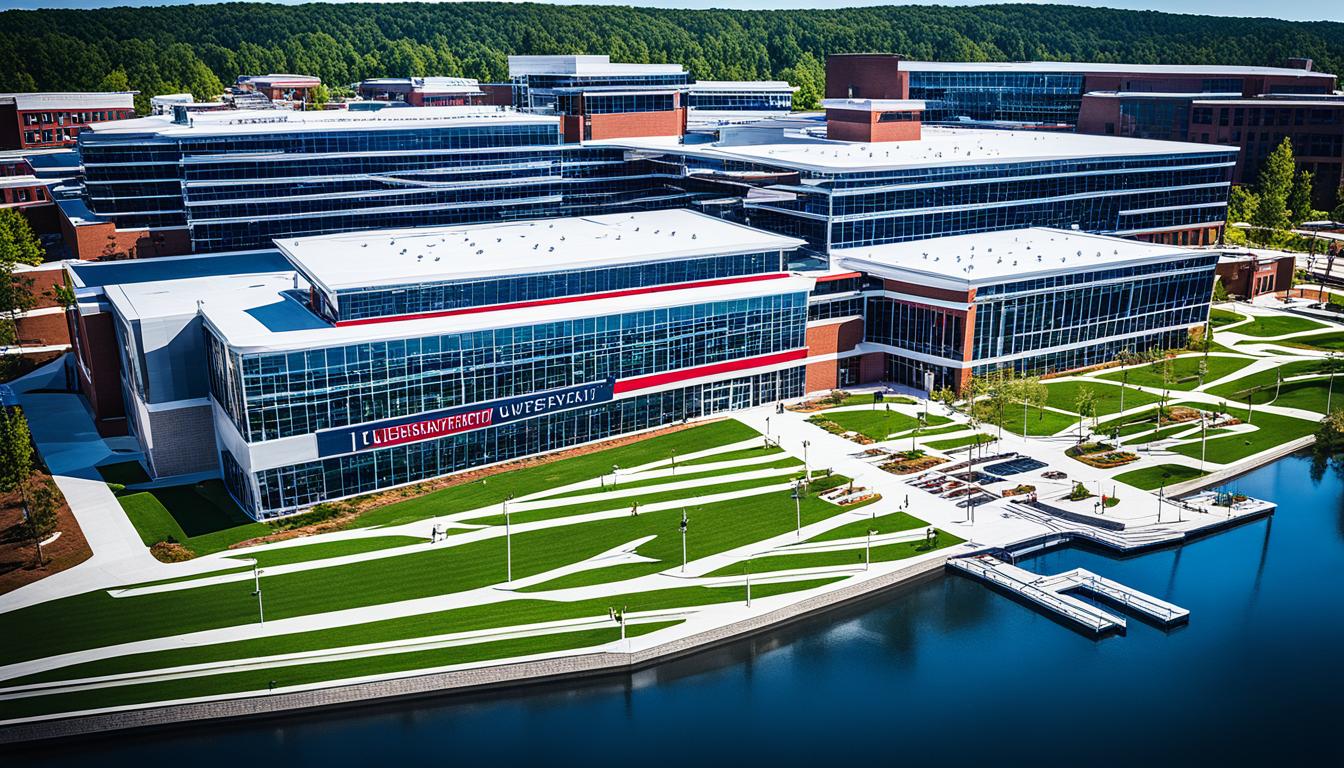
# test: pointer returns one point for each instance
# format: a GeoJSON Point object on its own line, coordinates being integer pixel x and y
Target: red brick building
{"type": "Point", "coordinates": [45, 120]}
{"type": "Point", "coordinates": [429, 91]}
{"type": "Point", "coordinates": [617, 112]}
{"type": "Point", "coordinates": [870, 120]}
{"type": "Point", "coordinates": [294, 91]}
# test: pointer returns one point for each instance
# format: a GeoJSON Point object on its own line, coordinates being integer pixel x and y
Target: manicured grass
{"type": "Point", "coordinates": [943, 430]}
{"type": "Point", "coordinates": [1184, 372]}
{"type": "Point", "coordinates": [1221, 317]}
{"type": "Point", "coordinates": [1164, 433]}
{"type": "Point", "coordinates": [1150, 478]}
{"type": "Point", "coordinates": [1278, 325]}
{"type": "Point", "coordinates": [958, 442]}
{"type": "Point", "coordinates": [123, 473]}
{"type": "Point", "coordinates": [492, 490]}
{"type": "Point", "coordinates": [683, 474]}
{"type": "Point", "coordinates": [280, 678]}
{"type": "Point", "coordinates": [1064, 396]}
{"type": "Point", "coordinates": [477, 617]}
{"type": "Point", "coordinates": [1039, 422]}
{"type": "Point", "coordinates": [324, 550]}
{"type": "Point", "coordinates": [1310, 394]}
{"type": "Point", "coordinates": [1328, 341]}
{"type": "Point", "coordinates": [1272, 430]}
{"type": "Point", "coordinates": [868, 400]}
{"type": "Point", "coordinates": [201, 517]}
{"type": "Point", "coordinates": [741, 453]}
{"type": "Point", "coordinates": [839, 557]}
{"type": "Point", "coordinates": [879, 424]}
{"type": "Point", "coordinates": [893, 522]}
{"type": "Point", "coordinates": [95, 618]}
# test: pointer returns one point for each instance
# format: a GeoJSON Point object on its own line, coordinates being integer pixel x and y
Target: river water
{"type": "Point", "coordinates": [945, 671]}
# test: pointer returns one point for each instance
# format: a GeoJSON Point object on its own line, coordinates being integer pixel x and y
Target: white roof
{"type": "Point", "coordinates": [961, 261]}
{"type": "Point", "coordinates": [939, 146]}
{"type": "Point", "coordinates": [71, 100]}
{"type": "Point", "coordinates": [742, 85]}
{"type": "Point", "coordinates": [177, 298]}
{"type": "Point", "coordinates": [432, 254]}
{"type": "Point", "coordinates": [428, 84]}
{"type": "Point", "coordinates": [874, 105]}
{"type": "Point", "coordinates": [1095, 67]}
{"type": "Point", "coordinates": [592, 66]}
{"type": "Point", "coordinates": [253, 121]}
{"type": "Point", "coordinates": [258, 321]}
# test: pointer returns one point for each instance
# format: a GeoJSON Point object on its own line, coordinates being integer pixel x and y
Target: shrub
{"type": "Point", "coordinates": [1079, 492]}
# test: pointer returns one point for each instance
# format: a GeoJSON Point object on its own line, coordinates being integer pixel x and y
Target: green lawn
{"type": "Point", "coordinates": [477, 617]}
{"type": "Point", "coordinates": [94, 619]}
{"type": "Point", "coordinates": [682, 475]}
{"type": "Point", "coordinates": [741, 453]}
{"type": "Point", "coordinates": [946, 429]}
{"type": "Point", "coordinates": [1164, 433]}
{"type": "Point", "coordinates": [893, 522]}
{"type": "Point", "coordinates": [839, 557]}
{"type": "Point", "coordinates": [868, 400]}
{"type": "Point", "coordinates": [123, 473]}
{"type": "Point", "coordinates": [958, 442]}
{"type": "Point", "coordinates": [280, 678]}
{"type": "Point", "coordinates": [1221, 317]}
{"type": "Point", "coordinates": [1064, 396]}
{"type": "Point", "coordinates": [1272, 430]}
{"type": "Point", "coordinates": [1184, 372]}
{"type": "Point", "coordinates": [307, 552]}
{"type": "Point", "coordinates": [1327, 341]}
{"type": "Point", "coordinates": [1309, 394]}
{"type": "Point", "coordinates": [1278, 325]}
{"type": "Point", "coordinates": [201, 517]}
{"type": "Point", "coordinates": [879, 424]}
{"type": "Point", "coordinates": [1150, 478]}
{"type": "Point", "coordinates": [519, 482]}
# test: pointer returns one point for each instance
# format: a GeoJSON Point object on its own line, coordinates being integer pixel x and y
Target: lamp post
{"type": "Point", "coordinates": [684, 524]}
{"type": "Point", "coordinates": [807, 468]}
{"type": "Point", "coordinates": [256, 592]}
{"type": "Point", "coordinates": [747, 575]}
{"type": "Point", "coordinates": [798, 505]}
{"type": "Point", "coordinates": [508, 544]}
{"type": "Point", "coordinates": [868, 550]}
{"type": "Point", "coordinates": [614, 468]}
{"type": "Point", "coordinates": [1161, 495]}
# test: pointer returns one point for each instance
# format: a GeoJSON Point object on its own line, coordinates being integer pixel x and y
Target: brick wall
{"type": "Point", "coordinates": [866, 76]}
{"type": "Point", "coordinates": [103, 241]}
{"type": "Point", "coordinates": [100, 371]}
{"type": "Point", "coordinates": [184, 441]}
{"type": "Point", "coordinates": [625, 125]}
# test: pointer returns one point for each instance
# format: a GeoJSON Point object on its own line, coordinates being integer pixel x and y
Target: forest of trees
{"type": "Point", "coordinates": [199, 49]}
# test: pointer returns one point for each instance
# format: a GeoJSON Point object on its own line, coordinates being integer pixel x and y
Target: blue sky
{"type": "Point", "coordinates": [1299, 10]}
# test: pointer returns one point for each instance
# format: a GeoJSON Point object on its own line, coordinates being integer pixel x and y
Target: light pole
{"type": "Point", "coordinates": [1161, 495]}
{"type": "Point", "coordinates": [256, 592]}
{"type": "Point", "coordinates": [747, 575]}
{"type": "Point", "coordinates": [868, 550]}
{"type": "Point", "coordinates": [807, 468]}
{"type": "Point", "coordinates": [1330, 390]}
{"type": "Point", "coordinates": [508, 544]}
{"type": "Point", "coordinates": [1203, 438]}
{"type": "Point", "coordinates": [614, 468]}
{"type": "Point", "coordinates": [798, 505]}
{"type": "Point", "coordinates": [684, 523]}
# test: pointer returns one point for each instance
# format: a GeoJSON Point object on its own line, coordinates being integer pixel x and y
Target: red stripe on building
{"type": "Point", "coordinates": [730, 366]}
{"type": "Point", "coordinates": [567, 299]}
{"type": "Point", "coordinates": [840, 276]}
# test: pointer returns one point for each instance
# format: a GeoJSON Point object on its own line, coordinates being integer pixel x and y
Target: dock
{"type": "Point", "coordinates": [1053, 594]}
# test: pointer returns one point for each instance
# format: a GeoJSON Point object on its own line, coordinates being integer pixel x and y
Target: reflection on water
{"type": "Point", "coordinates": [942, 671]}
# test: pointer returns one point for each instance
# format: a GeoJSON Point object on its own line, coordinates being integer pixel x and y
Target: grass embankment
{"type": "Point", "coordinates": [95, 619]}
{"type": "Point", "coordinates": [277, 679]}
{"type": "Point", "coordinates": [1184, 373]}
{"type": "Point", "coordinates": [879, 424]}
{"type": "Point", "coordinates": [516, 612]}
{"type": "Point", "coordinates": [741, 453]}
{"type": "Point", "coordinates": [1262, 387]}
{"type": "Point", "coordinates": [838, 557]}
{"type": "Point", "coordinates": [893, 522]}
{"type": "Point", "coordinates": [1150, 478]}
{"type": "Point", "coordinates": [201, 517]}
{"type": "Point", "coordinates": [1222, 317]}
{"type": "Point", "coordinates": [1270, 326]}
{"type": "Point", "coordinates": [1039, 422]}
{"type": "Point", "coordinates": [1106, 397]}
{"type": "Point", "coordinates": [959, 442]}
{"type": "Point", "coordinates": [534, 479]}
{"type": "Point", "coordinates": [323, 550]}
{"type": "Point", "coordinates": [1271, 431]}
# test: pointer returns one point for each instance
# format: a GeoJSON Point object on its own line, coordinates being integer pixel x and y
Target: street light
{"type": "Point", "coordinates": [807, 468]}
{"type": "Point", "coordinates": [798, 505]}
{"type": "Point", "coordinates": [684, 524]}
{"type": "Point", "coordinates": [508, 544]}
{"type": "Point", "coordinates": [614, 468]}
{"type": "Point", "coordinates": [1161, 494]}
{"type": "Point", "coordinates": [256, 592]}
{"type": "Point", "coordinates": [868, 550]}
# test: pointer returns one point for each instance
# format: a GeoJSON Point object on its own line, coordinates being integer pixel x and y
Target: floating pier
{"type": "Point", "coordinates": [1052, 594]}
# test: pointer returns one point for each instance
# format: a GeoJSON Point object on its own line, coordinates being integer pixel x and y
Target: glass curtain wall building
{"type": "Point", "coordinates": [635, 321]}
{"type": "Point", "coordinates": [240, 180]}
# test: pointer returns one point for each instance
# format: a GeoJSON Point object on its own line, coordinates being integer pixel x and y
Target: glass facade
{"type": "Point", "coordinates": [541, 92]}
{"type": "Point", "coordinates": [388, 301]}
{"type": "Point", "coordinates": [916, 327]}
{"type": "Point", "coordinates": [274, 395]}
{"type": "Point", "coordinates": [743, 100]}
{"type": "Point", "coordinates": [286, 488]}
{"type": "Point", "coordinates": [1052, 98]}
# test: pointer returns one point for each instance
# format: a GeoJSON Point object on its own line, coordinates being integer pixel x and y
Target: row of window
{"type": "Point", "coordinates": [299, 485]}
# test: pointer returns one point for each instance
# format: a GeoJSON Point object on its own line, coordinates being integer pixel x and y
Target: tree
{"type": "Point", "coordinates": [16, 449]}
{"type": "Point", "coordinates": [18, 246]}
{"type": "Point", "coordinates": [115, 80]}
{"type": "Point", "coordinates": [319, 97]}
{"type": "Point", "coordinates": [809, 75]}
{"type": "Point", "coordinates": [1241, 204]}
{"type": "Point", "coordinates": [1274, 187]}
{"type": "Point", "coordinates": [41, 501]}
{"type": "Point", "coordinates": [1299, 198]}
{"type": "Point", "coordinates": [1219, 290]}
{"type": "Point", "coordinates": [1085, 405]}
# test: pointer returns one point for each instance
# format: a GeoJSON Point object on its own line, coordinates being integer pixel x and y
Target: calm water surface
{"type": "Point", "coordinates": [942, 672]}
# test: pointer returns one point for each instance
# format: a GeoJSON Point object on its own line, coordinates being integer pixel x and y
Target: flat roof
{"type": "Point", "coordinates": [995, 257]}
{"type": "Point", "coordinates": [70, 100]}
{"type": "Point", "coordinates": [939, 146]}
{"type": "Point", "coordinates": [99, 274]}
{"type": "Point", "coordinates": [742, 85]}
{"type": "Point", "coordinates": [179, 298]}
{"type": "Point", "coordinates": [874, 105]}
{"type": "Point", "coordinates": [251, 121]}
{"type": "Point", "coordinates": [1098, 67]}
{"type": "Point", "coordinates": [590, 65]}
{"type": "Point", "coordinates": [253, 321]}
{"type": "Point", "coordinates": [462, 252]}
